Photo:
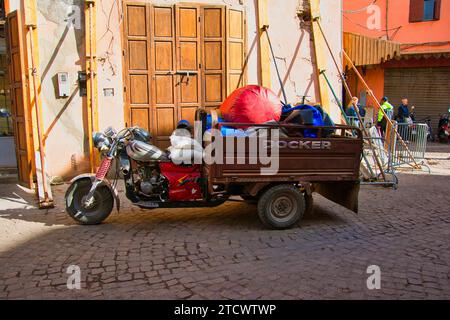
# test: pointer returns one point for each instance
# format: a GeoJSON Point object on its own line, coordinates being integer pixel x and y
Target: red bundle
{"type": "Point", "coordinates": [251, 104]}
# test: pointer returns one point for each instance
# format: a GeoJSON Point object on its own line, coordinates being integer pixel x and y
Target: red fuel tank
{"type": "Point", "coordinates": [183, 181]}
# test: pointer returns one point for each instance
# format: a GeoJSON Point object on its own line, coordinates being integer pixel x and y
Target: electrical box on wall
{"type": "Point", "coordinates": [63, 84]}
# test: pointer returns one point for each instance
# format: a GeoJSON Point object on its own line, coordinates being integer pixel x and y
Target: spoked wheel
{"type": "Point", "coordinates": [281, 207]}
{"type": "Point", "coordinates": [93, 212]}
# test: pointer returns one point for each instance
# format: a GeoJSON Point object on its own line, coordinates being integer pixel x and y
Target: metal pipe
{"type": "Point", "coordinates": [339, 103]}
{"type": "Point", "coordinates": [266, 30]}
{"type": "Point", "coordinates": [91, 98]}
{"type": "Point", "coordinates": [387, 20]}
{"type": "Point", "coordinates": [38, 119]}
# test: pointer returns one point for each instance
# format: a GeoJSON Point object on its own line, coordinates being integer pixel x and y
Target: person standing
{"type": "Point", "coordinates": [403, 117]}
{"type": "Point", "coordinates": [389, 110]}
{"type": "Point", "coordinates": [350, 111]}
{"type": "Point", "coordinates": [403, 112]}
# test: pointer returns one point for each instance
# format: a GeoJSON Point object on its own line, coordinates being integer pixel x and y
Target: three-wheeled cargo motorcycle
{"type": "Point", "coordinates": [327, 164]}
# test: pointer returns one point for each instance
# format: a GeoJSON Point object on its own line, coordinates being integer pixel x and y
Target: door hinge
{"type": "Point", "coordinates": [123, 53]}
{"type": "Point", "coordinates": [199, 19]}
{"type": "Point", "coordinates": [124, 89]}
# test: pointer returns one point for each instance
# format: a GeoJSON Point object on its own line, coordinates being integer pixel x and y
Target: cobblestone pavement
{"type": "Point", "coordinates": [225, 253]}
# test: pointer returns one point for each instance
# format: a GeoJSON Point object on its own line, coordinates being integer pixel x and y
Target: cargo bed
{"type": "Point", "coordinates": [327, 164]}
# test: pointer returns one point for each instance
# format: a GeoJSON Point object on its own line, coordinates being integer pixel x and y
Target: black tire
{"type": "Point", "coordinates": [281, 207]}
{"type": "Point", "coordinates": [309, 205]}
{"type": "Point", "coordinates": [98, 212]}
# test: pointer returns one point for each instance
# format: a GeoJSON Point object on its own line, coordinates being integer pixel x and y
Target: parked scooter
{"type": "Point", "coordinates": [443, 131]}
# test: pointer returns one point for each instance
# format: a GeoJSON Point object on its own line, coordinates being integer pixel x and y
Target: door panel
{"type": "Point", "coordinates": [236, 46]}
{"type": "Point", "coordinates": [19, 102]}
{"type": "Point", "coordinates": [163, 24]}
{"type": "Point", "coordinates": [188, 59]}
{"type": "Point", "coordinates": [137, 68]}
{"type": "Point", "coordinates": [164, 89]}
{"type": "Point", "coordinates": [213, 88]}
{"type": "Point", "coordinates": [188, 18]}
{"type": "Point", "coordinates": [213, 20]}
{"type": "Point", "coordinates": [188, 113]}
{"type": "Point", "coordinates": [139, 89]}
{"type": "Point", "coordinates": [137, 16]}
{"type": "Point", "coordinates": [165, 122]}
{"type": "Point", "coordinates": [164, 95]}
{"type": "Point", "coordinates": [140, 117]}
{"type": "Point", "coordinates": [138, 55]}
{"type": "Point", "coordinates": [213, 55]}
{"type": "Point", "coordinates": [189, 89]}
{"type": "Point", "coordinates": [213, 47]}
{"type": "Point", "coordinates": [163, 56]}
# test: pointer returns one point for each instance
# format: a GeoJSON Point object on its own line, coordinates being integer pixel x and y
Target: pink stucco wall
{"type": "Point", "coordinates": [396, 26]}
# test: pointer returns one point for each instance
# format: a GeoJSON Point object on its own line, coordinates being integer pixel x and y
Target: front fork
{"type": "Point", "coordinates": [102, 171]}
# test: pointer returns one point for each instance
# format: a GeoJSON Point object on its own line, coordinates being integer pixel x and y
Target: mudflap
{"type": "Point", "coordinates": [344, 193]}
{"type": "Point", "coordinates": [91, 177]}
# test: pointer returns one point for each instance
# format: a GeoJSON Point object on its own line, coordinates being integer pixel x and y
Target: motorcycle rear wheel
{"type": "Point", "coordinates": [94, 214]}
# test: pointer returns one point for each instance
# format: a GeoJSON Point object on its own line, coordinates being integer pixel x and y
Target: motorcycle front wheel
{"type": "Point", "coordinates": [97, 211]}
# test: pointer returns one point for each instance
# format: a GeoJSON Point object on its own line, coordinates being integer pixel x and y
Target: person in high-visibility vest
{"type": "Point", "coordinates": [388, 109]}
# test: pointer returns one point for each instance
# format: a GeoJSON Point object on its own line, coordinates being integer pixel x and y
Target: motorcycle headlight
{"type": "Point", "coordinates": [101, 141]}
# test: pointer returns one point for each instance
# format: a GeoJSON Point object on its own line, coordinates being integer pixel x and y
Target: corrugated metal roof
{"type": "Point", "coordinates": [368, 51]}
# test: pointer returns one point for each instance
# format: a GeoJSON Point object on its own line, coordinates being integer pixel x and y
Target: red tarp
{"type": "Point", "coordinates": [251, 104]}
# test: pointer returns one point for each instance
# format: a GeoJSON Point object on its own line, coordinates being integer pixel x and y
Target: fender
{"type": "Point", "coordinates": [105, 182]}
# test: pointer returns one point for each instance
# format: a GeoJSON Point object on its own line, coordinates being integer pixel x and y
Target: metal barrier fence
{"type": "Point", "coordinates": [391, 153]}
{"type": "Point", "coordinates": [415, 137]}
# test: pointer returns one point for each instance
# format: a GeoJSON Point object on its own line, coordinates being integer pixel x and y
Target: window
{"type": "Point", "coordinates": [428, 10]}
{"type": "Point", "coordinates": [424, 10]}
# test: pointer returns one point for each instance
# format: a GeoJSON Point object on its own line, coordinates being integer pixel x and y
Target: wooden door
{"type": "Point", "coordinates": [177, 59]}
{"type": "Point", "coordinates": [19, 105]}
